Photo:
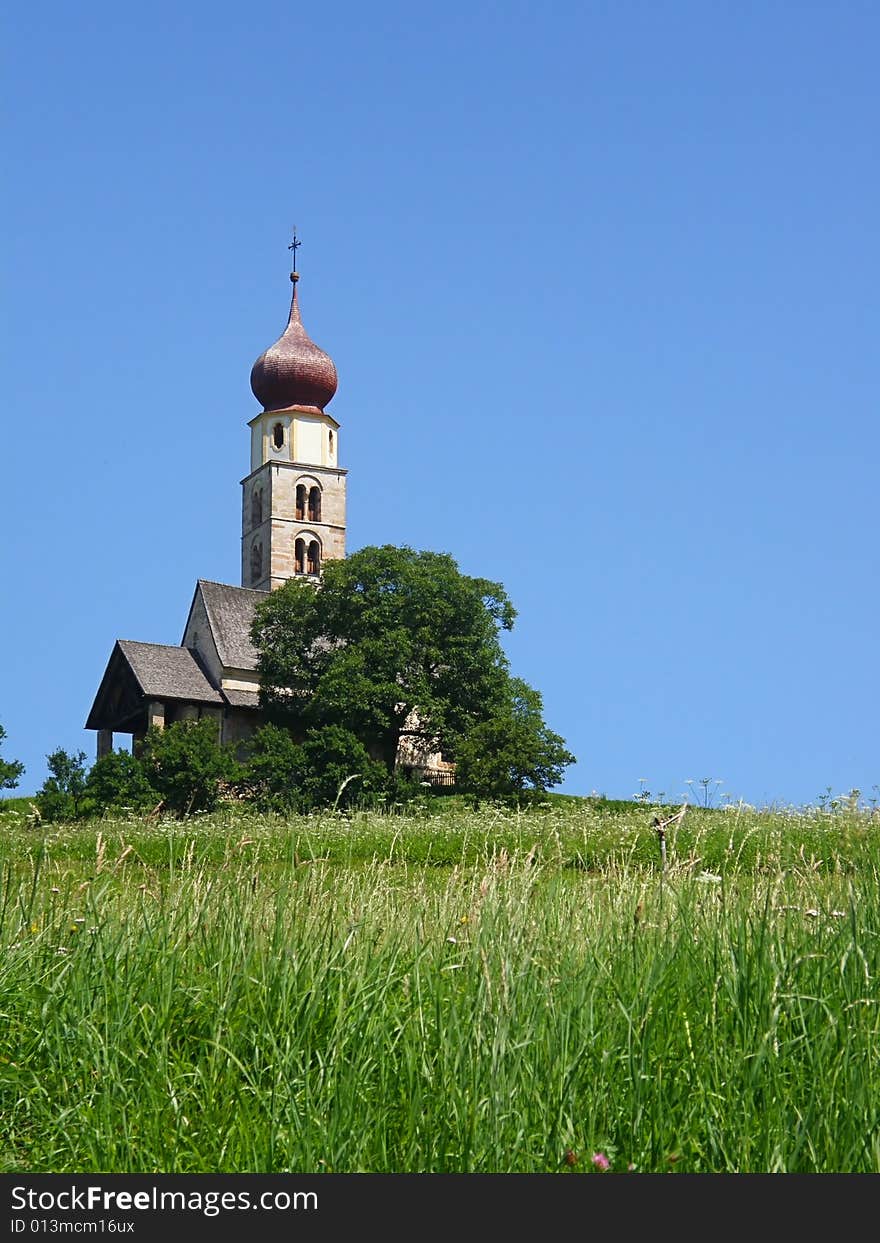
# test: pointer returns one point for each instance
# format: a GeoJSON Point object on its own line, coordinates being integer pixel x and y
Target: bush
{"type": "Point", "coordinates": [272, 769]}
{"type": "Point", "coordinates": [335, 769]}
{"type": "Point", "coordinates": [119, 780]}
{"type": "Point", "coordinates": [329, 768]}
{"type": "Point", "coordinates": [62, 795]}
{"type": "Point", "coordinates": [10, 770]}
{"type": "Point", "coordinates": [187, 766]}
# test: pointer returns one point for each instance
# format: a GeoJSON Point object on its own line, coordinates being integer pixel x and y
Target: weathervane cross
{"type": "Point", "coordinates": [294, 246]}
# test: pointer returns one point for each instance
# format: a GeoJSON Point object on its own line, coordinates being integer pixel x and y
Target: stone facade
{"type": "Point", "coordinates": [198, 635]}
{"type": "Point", "coordinates": [288, 508]}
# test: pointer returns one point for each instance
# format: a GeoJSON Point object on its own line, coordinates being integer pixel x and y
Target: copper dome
{"type": "Point", "coordinates": [293, 371]}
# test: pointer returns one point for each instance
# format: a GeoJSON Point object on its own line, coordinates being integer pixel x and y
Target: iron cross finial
{"type": "Point", "coordinates": [294, 246]}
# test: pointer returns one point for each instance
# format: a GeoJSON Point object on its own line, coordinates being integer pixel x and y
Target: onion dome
{"type": "Point", "coordinates": [293, 371]}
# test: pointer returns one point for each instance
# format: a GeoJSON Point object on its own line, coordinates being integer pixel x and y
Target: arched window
{"type": "Point", "coordinates": [278, 435]}
{"type": "Point", "coordinates": [300, 501]}
{"type": "Point", "coordinates": [313, 565]}
{"type": "Point", "coordinates": [256, 507]}
{"type": "Point", "coordinates": [256, 561]}
{"type": "Point", "coordinates": [315, 505]}
{"type": "Point", "coordinates": [331, 443]}
{"type": "Point", "coordinates": [299, 557]}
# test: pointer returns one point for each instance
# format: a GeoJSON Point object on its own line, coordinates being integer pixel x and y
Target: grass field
{"type": "Point", "coordinates": [441, 991]}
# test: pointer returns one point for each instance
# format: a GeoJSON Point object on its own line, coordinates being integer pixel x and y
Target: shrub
{"type": "Point", "coordinates": [328, 758]}
{"type": "Point", "coordinates": [119, 780]}
{"type": "Point", "coordinates": [187, 766]}
{"type": "Point", "coordinates": [272, 769]}
{"type": "Point", "coordinates": [329, 768]}
{"type": "Point", "coordinates": [10, 770]}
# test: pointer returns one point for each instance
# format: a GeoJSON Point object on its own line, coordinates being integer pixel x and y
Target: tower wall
{"type": "Point", "coordinates": [270, 495]}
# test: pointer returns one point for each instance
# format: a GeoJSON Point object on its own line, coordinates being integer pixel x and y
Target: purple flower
{"type": "Point", "coordinates": [601, 1162]}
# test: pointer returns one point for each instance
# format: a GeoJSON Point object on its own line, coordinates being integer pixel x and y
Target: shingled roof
{"type": "Point", "coordinates": [230, 613]}
{"type": "Point", "coordinates": [139, 672]}
{"type": "Point", "coordinates": [165, 672]}
{"type": "Point", "coordinates": [241, 699]}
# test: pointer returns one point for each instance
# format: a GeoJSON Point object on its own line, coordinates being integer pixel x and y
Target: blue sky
{"type": "Point", "coordinates": [601, 285]}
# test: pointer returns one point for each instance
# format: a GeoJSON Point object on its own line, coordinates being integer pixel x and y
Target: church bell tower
{"type": "Point", "coordinates": [293, 500]}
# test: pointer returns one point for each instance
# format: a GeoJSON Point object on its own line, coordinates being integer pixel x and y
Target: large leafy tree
{"type": "Point", "coordinates": [512, 752]}
{"type": "Point", "coordinates": [394, 644]}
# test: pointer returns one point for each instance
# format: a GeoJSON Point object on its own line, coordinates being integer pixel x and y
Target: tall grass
{"type": "Point", "coordinates": [471, 992]}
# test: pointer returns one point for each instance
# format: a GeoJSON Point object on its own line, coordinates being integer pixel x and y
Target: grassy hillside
{"type": "Point", "coordinates": [480, 991]}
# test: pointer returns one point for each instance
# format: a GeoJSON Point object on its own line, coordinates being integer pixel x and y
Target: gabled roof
{"type": "Point", "coordinates": [165, 672]}
{"type": "Point", "coordinates": [230, 614]}
{"type": "Point", "coordinates": [138, 672]}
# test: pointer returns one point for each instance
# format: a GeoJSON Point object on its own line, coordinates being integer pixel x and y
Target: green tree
{"type": "Point", "coordinates": [512, 752]}
{"type": "Point", "coordinates": [10, 770]}
{"type": "Point", "coordinates": [62, 794]}
{"type": "Point", "coordinates": [187, 766]}
{"type": "Point", "coordinates": [119, 780]}
{"type": "Point", "coordinates": [398, 644]}
{"type": "Point", "coordinates": [394, 643]}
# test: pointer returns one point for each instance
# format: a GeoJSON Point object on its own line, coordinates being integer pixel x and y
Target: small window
{"type": "Point", "coordinates": [313, 565]}
{"type": "Point", "coordinates": [257, 507]}
{"type": "Point", "coordinates": [315, 505]}
{"type": "Point", "coordinates": [278, 436]}
{"type": "Point", "coordinates": [256, 561]}
{"type": "Point", "coordinates": [299, 557]}
{"type": "Point", "coordinates": [331, 443]}
{"type": "Point", "coordinates": [300, 501]}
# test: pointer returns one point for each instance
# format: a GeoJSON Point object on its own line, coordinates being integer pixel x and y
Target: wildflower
{"type": "Point", "coordinates": [600, 1162]}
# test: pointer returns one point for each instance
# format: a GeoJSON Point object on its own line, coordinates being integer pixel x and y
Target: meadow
{"type": "Point", "coordinates": [443, 989]}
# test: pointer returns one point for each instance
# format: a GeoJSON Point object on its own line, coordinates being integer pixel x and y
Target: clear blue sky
{"type": "Point", "coordinates": [601, 283]}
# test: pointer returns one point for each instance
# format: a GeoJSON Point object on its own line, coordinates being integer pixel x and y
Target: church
{"type": "Point", "coordinates": [292, 520]}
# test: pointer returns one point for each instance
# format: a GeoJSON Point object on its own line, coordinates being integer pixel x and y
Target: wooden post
{"type": "Point", "coordinates": [105, 742]}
